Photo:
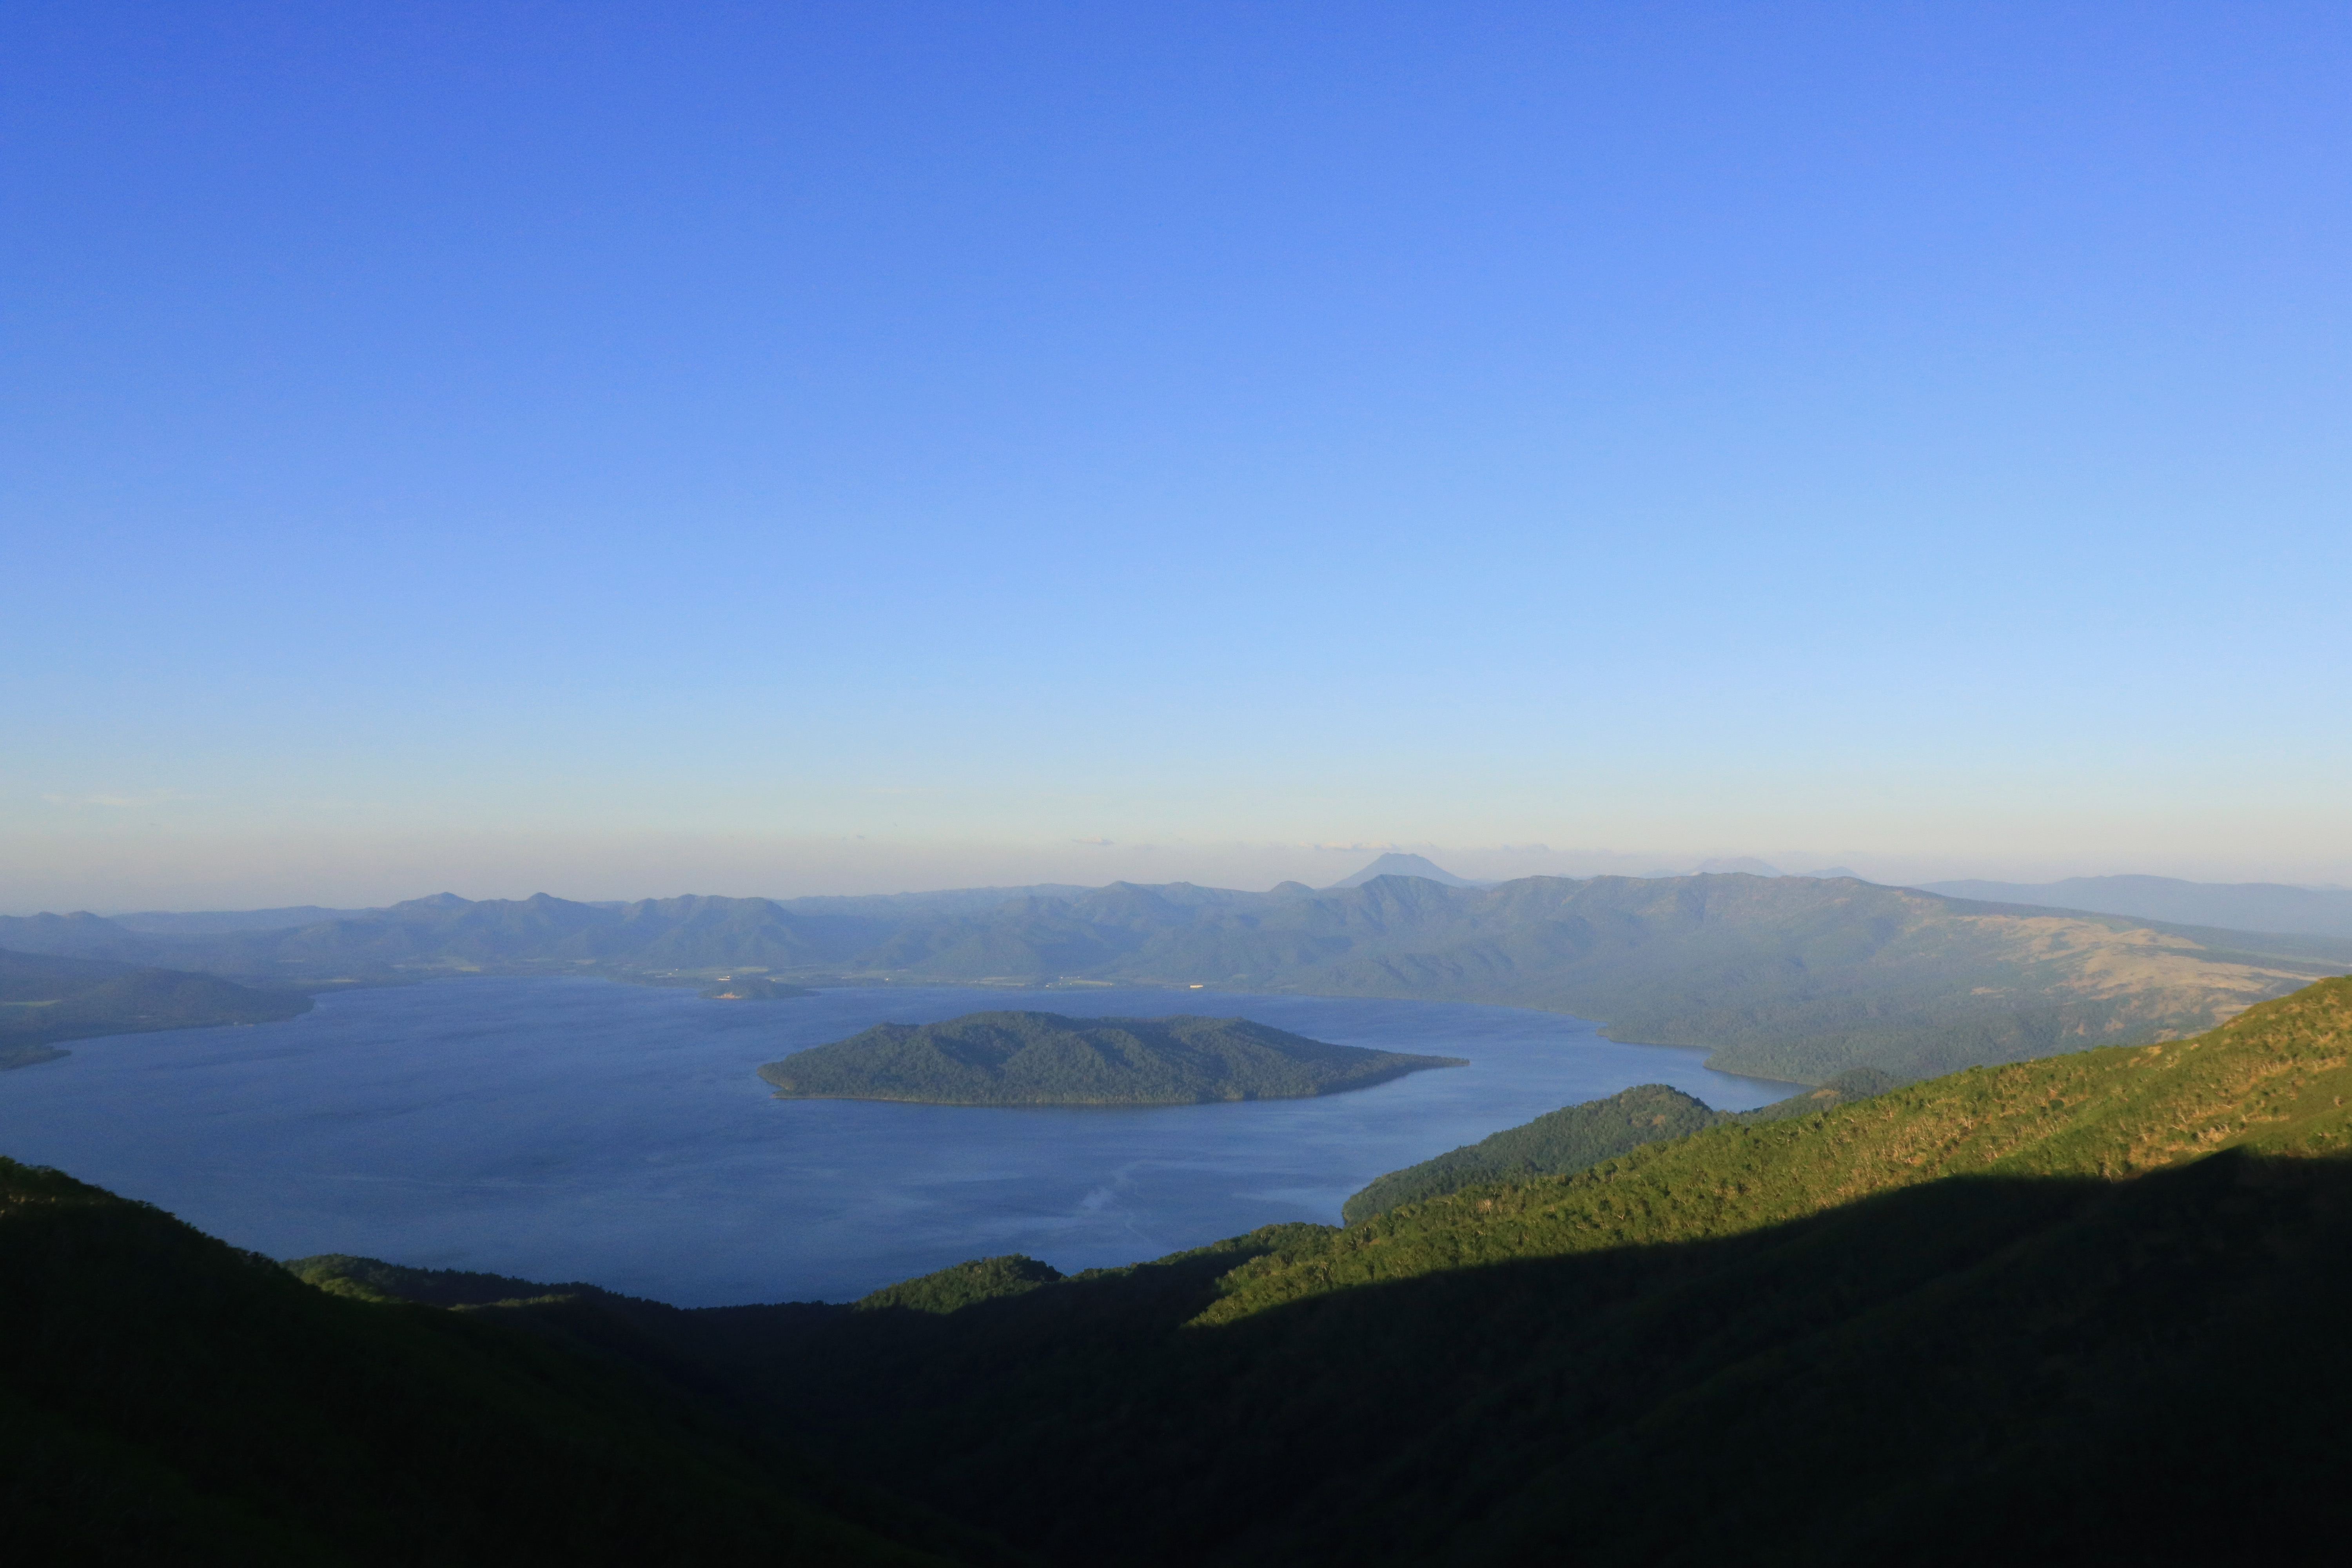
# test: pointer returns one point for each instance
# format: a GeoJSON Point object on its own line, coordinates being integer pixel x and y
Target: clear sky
{"type": "Point", "coordinates": [640, 448]}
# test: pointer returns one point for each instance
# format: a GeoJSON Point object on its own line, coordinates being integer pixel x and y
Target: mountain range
{"type": "Point", "coordinates": [1793, 978]}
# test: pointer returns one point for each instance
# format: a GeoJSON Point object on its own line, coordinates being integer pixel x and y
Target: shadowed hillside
{"type": "Point", "coordinates": [2093, 1291]}
{"type": "Point", "coordinates": [165, 1398]}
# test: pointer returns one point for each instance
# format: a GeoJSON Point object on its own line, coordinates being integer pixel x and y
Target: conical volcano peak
{"type": "Point", "coordinates": [1394, 864]}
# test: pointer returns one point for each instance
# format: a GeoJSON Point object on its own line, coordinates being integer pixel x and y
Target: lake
{"type": "Point", "coordinates": [574, 1128]}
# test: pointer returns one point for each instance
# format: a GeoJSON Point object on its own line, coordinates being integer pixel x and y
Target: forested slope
{"type": "Point", "coordinates": [2094, 1291]}
{"type": "Point", "coordinates": [1574, 1137]}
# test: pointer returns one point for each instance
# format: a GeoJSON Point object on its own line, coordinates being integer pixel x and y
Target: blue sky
{"type": "Point", "coordinates": [804, 448]}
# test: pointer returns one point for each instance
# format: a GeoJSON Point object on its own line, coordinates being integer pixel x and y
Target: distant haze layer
{"type": "Point", "coordinates": [138, 875]}
{"type": "Point", "coordinates": [2244, 905]}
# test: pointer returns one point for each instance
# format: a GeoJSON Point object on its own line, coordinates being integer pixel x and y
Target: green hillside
{"type": "Point", "coordinates": [1577, 1136]}
{"type": "Point", "coordinates": [2095, 1292]}
{"type": "Point", "coordinates": [165, 1398]}
{"type": "Point", "coordinates": [46, 999]}
{"type": "Point", "coordinates": [1565, 1140]}
{"type": "Point", "coordinates": [1043, 1059]}
{"type": "Point", "coordinates": [962, 1285]}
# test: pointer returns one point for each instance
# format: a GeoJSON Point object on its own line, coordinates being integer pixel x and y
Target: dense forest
{"type": "Point", "coordinates": [1794, 978]}
{"type": "Point", "coordinates": [2092, 1298]}
{"type": "Point", "coordinates": [1043, 1059]}
{"type": "Point", "coordinates": [1577, 1136]}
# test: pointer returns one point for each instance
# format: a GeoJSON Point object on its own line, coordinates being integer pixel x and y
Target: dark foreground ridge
{"type": "Point", "coordinates": [1045, 1058]}
{"type": "Point", "coordinates": [166, 1398]}
{"type": "Point", "coordinates": [2087, 1306]}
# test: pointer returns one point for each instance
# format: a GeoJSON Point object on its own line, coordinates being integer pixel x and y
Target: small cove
{"type": "Point", "coordinates": [574, 1129]}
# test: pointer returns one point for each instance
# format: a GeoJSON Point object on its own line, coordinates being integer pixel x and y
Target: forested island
{"type": "Point", "coordinates": [1045, 1058]}
{"type": "Point", "coordinates": [751, 988]}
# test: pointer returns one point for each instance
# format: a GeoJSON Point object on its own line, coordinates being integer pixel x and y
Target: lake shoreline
{"type": "Point", "coordinates": [562, 1128]}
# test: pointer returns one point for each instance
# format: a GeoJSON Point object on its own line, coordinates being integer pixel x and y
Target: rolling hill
{"type": "Point", "coordinates": [45, 999]}
{"type": "Point", "coordinates": [1577, 1137]}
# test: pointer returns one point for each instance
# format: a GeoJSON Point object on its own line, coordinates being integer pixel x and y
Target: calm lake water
{"type": "Point", "coordinates": [566, 1128]}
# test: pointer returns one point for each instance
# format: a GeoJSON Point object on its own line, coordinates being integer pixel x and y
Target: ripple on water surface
{"type": "Point", "coordinates": [568, 1129]}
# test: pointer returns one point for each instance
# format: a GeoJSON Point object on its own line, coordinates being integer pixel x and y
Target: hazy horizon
{"type": "Point", "coordinates": [788, 871]}
{"type": "Point", "coordinates": [804, 449]}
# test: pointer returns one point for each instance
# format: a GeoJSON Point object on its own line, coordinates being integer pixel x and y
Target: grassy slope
{"type": "Point", "coordinates": [166, 1398]}
{"type": "Point", "coordinates": [2096, 1291]}
{"type": "Point", "coordinates": [1043, 1059]}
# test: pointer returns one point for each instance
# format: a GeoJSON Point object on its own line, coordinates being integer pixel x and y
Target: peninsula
{"type": "Point", "coordinates": [1043, 1059]}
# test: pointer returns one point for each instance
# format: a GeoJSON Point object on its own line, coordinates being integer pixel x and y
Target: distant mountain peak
{"type": "Point", "coordinates": [1394, 864]}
